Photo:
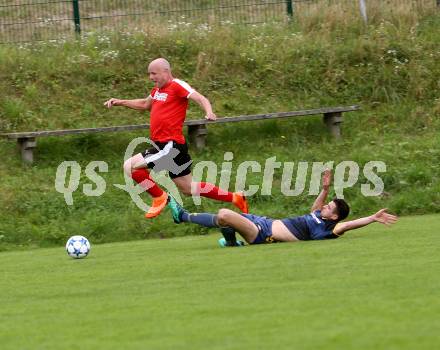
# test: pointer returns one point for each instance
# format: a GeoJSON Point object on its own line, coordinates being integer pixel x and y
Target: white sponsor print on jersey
{"type": "Point", "coordinates": [160, 96]}
{"type": "Point", "coordinates": [316, 218]}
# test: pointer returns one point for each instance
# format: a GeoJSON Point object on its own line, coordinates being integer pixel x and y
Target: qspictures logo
{"type": "Point", "coordinates": [297, 178]}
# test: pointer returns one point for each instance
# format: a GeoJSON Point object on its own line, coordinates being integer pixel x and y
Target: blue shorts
{"type": "Point", "coordinates": [264, 226]}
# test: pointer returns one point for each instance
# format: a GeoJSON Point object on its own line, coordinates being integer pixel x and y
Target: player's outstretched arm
{"type": "Point", "coordinates": [141, 104]}
{"type": "Point", "coordinates": [204, 103]}
{"type": "Point", "coordinates": [381, 216]}
{"type": "Point", "coordinates": [320, 200]}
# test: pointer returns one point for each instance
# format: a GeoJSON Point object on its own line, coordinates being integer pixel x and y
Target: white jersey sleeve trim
{"type": "Point", "coordinates": [185, 85]}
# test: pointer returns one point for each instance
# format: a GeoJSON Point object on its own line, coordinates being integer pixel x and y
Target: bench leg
{"type": "Point", "coordinates": [26, 147]}
{"type": "Point", "coordinates": [333, 122]}
{"type": "Point", "coordinates": [197, 135]}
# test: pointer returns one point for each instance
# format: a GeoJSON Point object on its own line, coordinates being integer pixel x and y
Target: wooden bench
{"type": "Point", "coordinates": [197, 130]}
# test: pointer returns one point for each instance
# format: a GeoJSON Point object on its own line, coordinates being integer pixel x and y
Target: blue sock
{"type": "Point", "coordinates": [202, 219]}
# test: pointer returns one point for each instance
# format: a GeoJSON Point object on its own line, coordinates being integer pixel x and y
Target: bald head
{"type": "Point", "coordinates": [161, 64]}
{"type": "Point", "coordinates": [159, 71]}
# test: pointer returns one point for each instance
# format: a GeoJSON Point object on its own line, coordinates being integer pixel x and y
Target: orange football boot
{"type": "Point", "coordinates": [158, 204]}
{"type": "Point", "coordinates": [239, 200]}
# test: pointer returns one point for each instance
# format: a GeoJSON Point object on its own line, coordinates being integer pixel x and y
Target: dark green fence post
{"type": "Point", "coordinates": [76, 18]}
{"type": "Point", "coordinates": [290, 8]}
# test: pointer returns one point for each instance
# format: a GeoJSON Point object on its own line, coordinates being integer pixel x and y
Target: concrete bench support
{"type": "Point", "coordinates": [197, 135]}
{"type": "Point", "coordinates": [26, 147]}
{"type": "Point", "coordinates": [333, 122]}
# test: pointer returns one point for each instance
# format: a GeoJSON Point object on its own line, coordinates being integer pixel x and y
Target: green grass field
{"type": "Point", "coordinates": [376, 288]}
{"type": "Point", "coordinates": [390, 69]}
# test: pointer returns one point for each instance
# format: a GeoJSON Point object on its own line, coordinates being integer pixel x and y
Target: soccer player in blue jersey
{"type": "Point", "coordinates": [323, 222]}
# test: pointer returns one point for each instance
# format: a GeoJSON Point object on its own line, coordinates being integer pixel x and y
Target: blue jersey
{"type": "Point", "coordinates": [311, 227]}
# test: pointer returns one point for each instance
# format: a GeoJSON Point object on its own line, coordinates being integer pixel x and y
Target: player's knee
{"type": "Point", "coordinates": [223, 216]}
{"type": "Point", "coordinates": [127, 167]}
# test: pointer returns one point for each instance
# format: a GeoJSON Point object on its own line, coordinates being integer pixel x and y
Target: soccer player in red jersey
{"type": "Point", "coordinates": [168, 103]}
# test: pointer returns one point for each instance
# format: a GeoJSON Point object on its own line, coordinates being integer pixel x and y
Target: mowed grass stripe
{"type": "Point", "coordinates": [376, 288]}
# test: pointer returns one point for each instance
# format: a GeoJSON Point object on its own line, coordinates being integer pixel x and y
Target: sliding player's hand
{"type": "Point", "coordinates": [326, 179]}
{"type": "Point", "coordinates": [384, 218]}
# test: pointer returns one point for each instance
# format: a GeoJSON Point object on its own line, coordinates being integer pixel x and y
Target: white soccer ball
{"type": "Point", "coordinates": [78, 247]}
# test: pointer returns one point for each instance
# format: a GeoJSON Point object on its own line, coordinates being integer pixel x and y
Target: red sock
{"type": "Point", "coordinates": [208, 190]}
{"type": "Point", "coordinates": [142, 177]}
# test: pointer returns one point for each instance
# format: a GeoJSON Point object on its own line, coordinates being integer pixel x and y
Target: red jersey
{"type": "Point", "coordinates": [168, 111]}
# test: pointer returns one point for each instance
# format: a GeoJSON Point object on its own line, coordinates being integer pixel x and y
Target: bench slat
{"type": "Point", "coordinates": [273, 115]}
{"type": "Point", "coordinates": [19, 135]}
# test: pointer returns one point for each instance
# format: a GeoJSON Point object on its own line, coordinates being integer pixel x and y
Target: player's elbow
{"type": "Point", "coordinates": [145, 107]}
{"type": "Point", "coordinates": [148, 106]}
{"type": "Point", "coordinates": [202, 99]}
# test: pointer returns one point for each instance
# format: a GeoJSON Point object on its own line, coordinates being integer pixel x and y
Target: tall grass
{"type": "Point", "coordinates": [346, 14]}
{"type": "Point", "coordinates": [387, 63]}
{"type": "Point", "coordinates": [391, 69]}
{"type": "Point", "coordinates": [45, 20]}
